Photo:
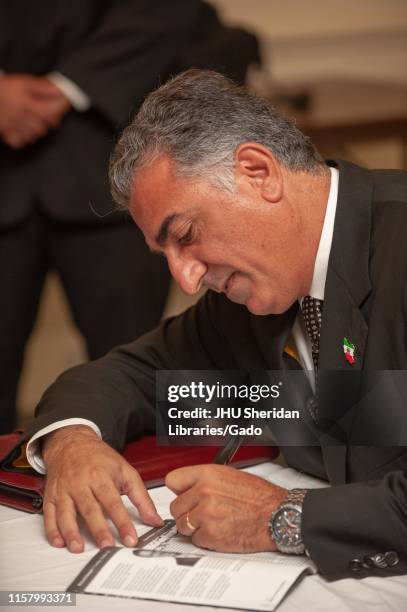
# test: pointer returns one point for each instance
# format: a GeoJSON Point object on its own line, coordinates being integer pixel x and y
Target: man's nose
{"type": "Point", "coordinates": [187, 270]}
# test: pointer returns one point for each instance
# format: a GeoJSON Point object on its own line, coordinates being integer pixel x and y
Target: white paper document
{"type": "Point", "coordinates": [168, 567]}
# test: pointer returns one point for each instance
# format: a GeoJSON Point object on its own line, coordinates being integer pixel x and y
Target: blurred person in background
{"type": "Point", "coordinates": [71, 75]}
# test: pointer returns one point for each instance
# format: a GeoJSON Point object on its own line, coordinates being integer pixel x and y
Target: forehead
{"type": "Point", "coordinates": [154, 191]}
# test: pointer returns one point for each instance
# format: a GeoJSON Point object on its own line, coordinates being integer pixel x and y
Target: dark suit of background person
{"type": "Point", "coordinates": [116, 52]}
{"type": "Point", "coordinates": [365, 512]}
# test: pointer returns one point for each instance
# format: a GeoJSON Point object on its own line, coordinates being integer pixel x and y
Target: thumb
{"type": "Point", "coordinates": [139, 497]}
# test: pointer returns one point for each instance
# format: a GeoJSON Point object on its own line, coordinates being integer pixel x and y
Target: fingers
{"type": "Point", "coordinates": [29, 108]}
{"type": "Point", "coordinates": [49, 112]}
{"type": "Point", "coordinates": [34, 127]}
{"type": "Point", "coordinates": [18, 139]}
{"type": "Point", "coordinates": [61, 526]}
{"type": "Point", "coordinates": [182, 510]}
{"type": "Point", "coordinates": [52, 532]}
{"type": "Point", "coordinates": [184, 478]}
{"type": "Point", "coordinates": [14, 139]}
{"type": "Point", "coordinates": [184, 503]}
{"type": "Point", "coordinates": [188, 523]}
{"type": "Point", "coordinates": [109, 498]}
{"type": "Point", "coordinates": [138, 495]}
{"type": "Point", "coordinates": [60, 517]}
{"type": "Point", "coordinates": [91, 511]}
{"type": "Point", "coordinates": [35, 124]}
{"type": "Point", "coordinates": [86, 478]}
{"type": "Point", "coordinates": [200, 538]}
{"type": "Point", "coordinates": [192, 485]}
{"type": "Point", "coordinates": [30, 129]}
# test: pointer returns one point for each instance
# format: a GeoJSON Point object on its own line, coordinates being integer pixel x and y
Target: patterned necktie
{"type": "Point", "coordinates": [312, 314]}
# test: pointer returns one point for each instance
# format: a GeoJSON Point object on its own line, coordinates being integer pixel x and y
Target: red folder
{"type": "Point", "coordinates": [21, 487]}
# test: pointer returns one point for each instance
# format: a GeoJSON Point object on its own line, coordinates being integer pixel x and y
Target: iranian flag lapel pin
{"type": "Point", "coordinates": [349, 350]}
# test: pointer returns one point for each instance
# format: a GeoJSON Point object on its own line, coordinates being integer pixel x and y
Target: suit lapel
{"type": "Point", "coordinates": [272, 333]}
{"type": "Point", "coordinates": [347, 286]}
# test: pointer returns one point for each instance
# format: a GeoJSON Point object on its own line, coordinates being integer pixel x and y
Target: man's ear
{"type": "Point", "coordinates": [256, 166]}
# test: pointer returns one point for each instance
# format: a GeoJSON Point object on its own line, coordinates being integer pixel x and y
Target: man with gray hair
{"type": "Point", "coordinates": [240, 202]}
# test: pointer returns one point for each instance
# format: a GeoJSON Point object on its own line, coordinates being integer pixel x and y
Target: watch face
{"type": "Point", "coordinates": [287, 526]}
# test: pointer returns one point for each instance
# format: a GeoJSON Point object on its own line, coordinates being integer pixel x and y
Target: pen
{"type": "Point", "coordinates": [225, 455]}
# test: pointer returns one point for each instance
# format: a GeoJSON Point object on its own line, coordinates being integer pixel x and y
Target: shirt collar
{"type": "Point", "coordinates": [317, 289]}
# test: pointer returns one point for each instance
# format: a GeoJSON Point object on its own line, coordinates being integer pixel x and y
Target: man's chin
{"type": "Point", "coordinates": [252, 306]}
{"type": "Point", "coordinates": [236, 299]}
{"type": "Point", "coordinates": [262, 310]}
{"type": "Point", "coordinates": [258, 309]}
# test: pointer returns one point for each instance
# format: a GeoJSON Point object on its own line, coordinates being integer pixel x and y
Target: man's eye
{"type": "Point", "coordinates": [186, 238]}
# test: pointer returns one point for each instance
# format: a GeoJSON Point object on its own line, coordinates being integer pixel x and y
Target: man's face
{"type": "Point", "coordinates": [239, 244]}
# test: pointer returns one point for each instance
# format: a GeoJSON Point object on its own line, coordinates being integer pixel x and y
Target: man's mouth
{"type": "Point", "coordinates": [220, 287]}
{"type": "Point", "coordinates": [226, 284]}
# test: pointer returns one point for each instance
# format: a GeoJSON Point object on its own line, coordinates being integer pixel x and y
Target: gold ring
{"type": "Point", "coordinates": [190, 526]}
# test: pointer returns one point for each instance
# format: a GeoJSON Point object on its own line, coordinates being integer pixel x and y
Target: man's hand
{"type": "Point", "coordinates": [229, 509]}
{"type": "Point", "coordinates": [29, 107]}
{"type": "Point", "coordinates": [85, 477]}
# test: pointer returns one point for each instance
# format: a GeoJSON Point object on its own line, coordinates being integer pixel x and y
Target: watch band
{"type": "Point", "coordinates": [295, 496]}
{"type": "Point", "coordinates": [288, 539]}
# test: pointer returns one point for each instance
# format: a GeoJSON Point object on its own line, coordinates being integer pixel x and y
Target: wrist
{"type": "Point", "coordinates": [269, 506]}
{"type": "Point", "coordinates": [60, 439]}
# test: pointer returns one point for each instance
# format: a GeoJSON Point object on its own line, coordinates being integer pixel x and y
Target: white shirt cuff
{"type": "Point", "coordinates": [34, 456]}
{"type": "Point", "coordinates": [76, 96]}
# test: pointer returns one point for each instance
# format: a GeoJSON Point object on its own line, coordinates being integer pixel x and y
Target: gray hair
{"type": "Point", "coordinates": [198, 119]}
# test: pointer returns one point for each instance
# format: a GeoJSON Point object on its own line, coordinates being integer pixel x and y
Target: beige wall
{"type": "Point", "coordinates": [309, 18]}
{"type": "Point", "coordinates": [307, 39]}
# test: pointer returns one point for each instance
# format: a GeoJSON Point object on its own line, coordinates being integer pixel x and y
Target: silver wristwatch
{"type": "Point", "coordinates": [285, 523]}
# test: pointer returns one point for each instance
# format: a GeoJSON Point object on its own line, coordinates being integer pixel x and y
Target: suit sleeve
{"type": "Point", "coordinates": [131, 46]}
{"type": "Point", "coordinates": [117, 392]}
{"type": "Point", "coordinates": [345, 526]}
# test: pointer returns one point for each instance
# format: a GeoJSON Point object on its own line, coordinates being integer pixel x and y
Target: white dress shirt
{"type": "Point", "coordinates": [317, 290]}
{"type": "Point", "coordinates": [79, 100]}
{"type": "Point", "coordinates": [301, 339]}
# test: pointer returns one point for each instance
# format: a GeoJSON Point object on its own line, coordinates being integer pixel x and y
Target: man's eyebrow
{"type": "Point", "coordinates": [162, 235]}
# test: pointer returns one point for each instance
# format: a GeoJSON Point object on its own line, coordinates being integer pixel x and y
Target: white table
{"type": "Point", "coordinates": [27, 562]}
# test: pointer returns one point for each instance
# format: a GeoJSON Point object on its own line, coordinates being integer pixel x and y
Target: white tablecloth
{"type": "Point", "coordinates": [27, 562]}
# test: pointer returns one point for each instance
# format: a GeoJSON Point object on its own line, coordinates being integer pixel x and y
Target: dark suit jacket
{"type": "Point", "coordinates": [365, 512]}
{"type": "Point", "coordinates": [116, 52]}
